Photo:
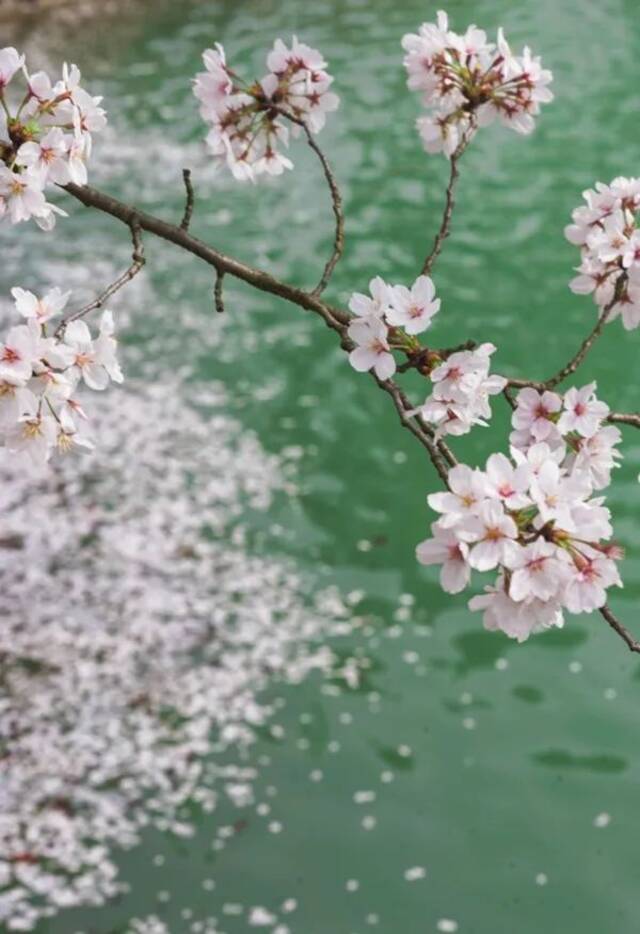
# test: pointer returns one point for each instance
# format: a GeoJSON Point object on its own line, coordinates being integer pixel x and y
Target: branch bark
{"type": "Point", "coordinates": [632, 644]}
{"type": "Point", "coordinates": [449, 204]}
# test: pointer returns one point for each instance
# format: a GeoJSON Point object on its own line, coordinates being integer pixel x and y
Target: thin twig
{"type": "Point", "coordinates": [590, 339]}
{"type": "Point", "coordinates": [506, 392]}
{"type": "Point", "coordinates": [137, 262]}
{"type": "Point", "coordinates": [336, 203]}
{"type": "Point", "coordinates": [625, 418]}
{"type": "Point", "coordinates": [402, 408]}
{"type": "Point", "coordinates": [188, 207]}
{"type": "Point", "coordinates": [217, 291]}
{"type": "Point", "coordinates": [623, 632]}
{"type": "Point", "coordinates": [449, 204]}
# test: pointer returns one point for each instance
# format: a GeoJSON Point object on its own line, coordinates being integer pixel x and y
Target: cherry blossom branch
{"type": "Point", "coordinates": [337, 320]}
{"type": "Point", "coordinates": [449, 203]}
{"type": "Point", "coordinates": [263, 281]}
{"type": "Point", "coordinates": [137, 262]}
{"type": "Point", "coordinates": [336, 202]}
{"type": "Point", "coordinates": [632, 644]}
{"type": "Point", "coordinates": [190, 199]}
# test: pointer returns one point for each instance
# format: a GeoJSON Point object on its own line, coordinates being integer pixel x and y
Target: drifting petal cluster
{"type": "Point", "coordinates": [535, 522]}
{"type": "Point", "coordinates": [605, 230]}
{"type": "Point", "coordinates": [44, 140]}
{"type": "Point", "coordinates": [40, 375]}
{"type": "Point", "coordinates": [466, 82]}
{"type": "Point", "coordinates": [462, 388]}
{"type": "Point", "coordinates": [388, 318]}
{"type": "Point", "coordinates": [248, 121]}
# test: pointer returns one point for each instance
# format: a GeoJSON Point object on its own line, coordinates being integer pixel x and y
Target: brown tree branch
{"type": "Point", "coordinates": [190, 199]}
{"type": "Point", "coordinates": [625, 418]}
{"type": "Point", "coordinates": [137, 262]}
{"type": "Point", "coordinates": [335, 319]}
{"type": "Point", "coordinates": [622, 631]}
{"type": "Point", "coordinates": [439, 453]}
{"type": "Point", "coordinates": [217, 291]}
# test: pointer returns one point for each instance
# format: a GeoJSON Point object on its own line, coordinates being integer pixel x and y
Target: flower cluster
{"type": "Point", "coordinates": [388, 318]}
{"type": "Point", "coordinates": [45, 140]}
{"type": "Point", "coordinates": [248, 121]}
{"type": "Point", "coordinates": [39, 376]}
{"type": "Point", "coordinates": [467, 82]}
{"type": "Point", "coordinates": [462, 387]}
{"type": "Point", "coordinates": [605, 230]}
{"type": "Point", "coordinates": [573, 426]}
{"type": "Point", "coordinates": [533, 517]}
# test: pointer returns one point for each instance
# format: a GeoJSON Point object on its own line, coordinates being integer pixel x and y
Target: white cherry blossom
{"type": "Point", "coordinates": [372, 351]}
{"type": "Point", "coordinates": [582, 412]}
{"type": "Point", "coordinates": [445, 548]}
{"type": "Point", "coordinates": [413, 309]}
{"type": "Point", "coordinates": [492, 533]}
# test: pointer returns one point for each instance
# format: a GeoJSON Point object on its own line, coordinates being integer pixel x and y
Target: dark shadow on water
{"type": "Point", "coordinates": [560, 759]}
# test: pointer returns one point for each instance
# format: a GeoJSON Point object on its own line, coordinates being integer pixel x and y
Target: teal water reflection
{"type": "Point", "coordinates": [490, 762]}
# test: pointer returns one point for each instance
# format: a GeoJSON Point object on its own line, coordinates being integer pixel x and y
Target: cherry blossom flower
{"type": "Point", "coordinates": [21, 196]}
{"type": "Point", "coordinates": [95, 361]}
{"type": "Point", "coordinates": [372, 351]}
{"type": "Point", "coordinates": [48, 158]}
{"type": "Point", "coordinates": [377, 305]}
{"type": "Point", "coordinates": [516, 620]}
{"type": "Point", "coordinates": [535, 413]}
{"type": "Point", "coordinates": [507, 482]}
{"type": "Point", "coordinates": [19, 353]}
{"type": "Point", "coordinates": [10, 63]}
{"type": "Point", "coordinates": [42, 309]}
{"type": "Point", "coordinates": [445, 548]}
{"type": "Point", "coordinates": [582, 412]}
{"type": "Point", "coordinates": [467, 490]}
{"type": "Point", "coordinates": [537, 571]}
{"type": "Point", "coordinates": [587, 585]}
{"type": "Point", "coordinates": [597, 456]}
{"type": "Point", "coordinates": [493, 535]}
{"type": "Point", "coordinates": [413, 309]}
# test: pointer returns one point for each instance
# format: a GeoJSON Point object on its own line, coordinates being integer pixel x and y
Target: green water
{"type": "Point", "coordinates": [513, 750]}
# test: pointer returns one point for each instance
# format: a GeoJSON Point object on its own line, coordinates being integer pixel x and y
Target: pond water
{"type": "Point", "coordinates": [463, 779]}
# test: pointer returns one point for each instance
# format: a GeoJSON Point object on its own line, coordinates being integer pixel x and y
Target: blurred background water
{"type": "Point", "coordinates": [488, 764]}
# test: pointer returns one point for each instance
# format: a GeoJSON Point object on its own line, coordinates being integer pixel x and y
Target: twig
{"type": "Point", "coordinates": [217, 291]}
{"type": "Point", "coordinates": [506, 392]}
{"type": "Point", "coordinates": [590, 339]}
{"type": "Point", "coordinates": [91, 197]}
{"type": "Point", "coordinates": [449, 204]}
{"type": "Point", "coordinates": [336, 203]}
{"type": "Point", "coordinates": [402, 408]}
{"type": "Point", "coordinates": [137, 262]}
{"type": "Point", "coordinates": [188, 207]}
{"type": "Point", "coordinates": [625, 418]}
{"type": "Point", "coordinates": [622, 631]}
